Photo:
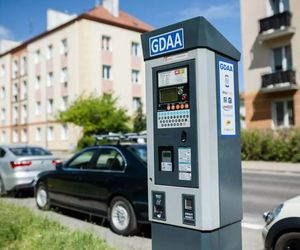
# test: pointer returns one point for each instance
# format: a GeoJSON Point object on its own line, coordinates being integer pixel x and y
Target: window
{"type": "Point", "coordinates": [38, 82]}
{"type": "Point", "coordinates": [38, 134]}
{"type": "Point", "coordinates": [2, 93]}
{"type": "Point", "coordinates": [37, 56]}
{"type": "Point", "coordinates": [3, 136]}
{"type": "Point", "coordinates": [15, 114]}
{"type": "Point", "coordinates": [282, 58]}
{"type": "Point", "coordinates": [29, 151]}
{"type": "Point", "coordinates": [24, 113]}
{"type": "Point", "coordinates": [50, 79]}
{"type": "Point", "coordinates": [283, 113]}
{"type": "Point", "coordinates": [82, 161]}
{"type": "Point", "coordinates": [64, 132]}
{"type": "Point", "coordinates": [49, 52]}
{"type": "Point", "coordinates": [24, 90]}
{"type": "Point", "coordinates": [106, 46]}
{"type": "Point", "coordinates": [136, 103]}
{"type": "Point", "coordinates": [3, 114]}
{"type": "Point", "coordinates": [135, 76]}
{"type": "Point", "coordinates": [2, 70]}
{"type": "Point", "coordinates": [2, 152]}
{"type": "Point", "coordinates": [38, 108]}
{"type": "Point", "coordinates": [106, 72]}
{"type": "Point", "coordinates": [64, 47]}
{"type": "Point", "coordinates": [110, 159]}
{"type": "Point", "coordinates": [64, 103]}
{"type": "Point", "coordinates": [23, 65]}
{"type": "Point", "coordinates": [15, 136]}
{"type": "Point", "coordinates": [50, 134]}
{"type": "Point", "coordinates": [50, 106]}
{"type": "Point", "coordinates": [15, 69]}
{"type": "Point", "coordinates": [15, 92]}
{"type": "Point", "coordinates": [278, 6]}
{"type": "Point", "coordinates": [135, 49]}
{"type": "Point", "coordinates": [24, 135]}
{"type": "Point", "coordinates": [64, 75]}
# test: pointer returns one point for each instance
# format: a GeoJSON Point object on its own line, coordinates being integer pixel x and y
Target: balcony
{"type": "Point", "coordinates": [276, 26]}
{"type": "Point", "coordinates": [279, 81]}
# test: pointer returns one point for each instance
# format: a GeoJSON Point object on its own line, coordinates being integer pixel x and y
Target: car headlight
{"type": "Point", "coordinates": [271, 215]}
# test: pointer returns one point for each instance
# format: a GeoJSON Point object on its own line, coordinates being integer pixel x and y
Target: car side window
{"type": "Point", "coordinates": [82, 161]}
{"type": "Point", "coordinates": [110, 159]}
{"type": "Point", "coordinates": [2, 152]}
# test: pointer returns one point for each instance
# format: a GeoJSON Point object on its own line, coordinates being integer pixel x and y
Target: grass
{"type": "Point", "coordinates": [21, 229]}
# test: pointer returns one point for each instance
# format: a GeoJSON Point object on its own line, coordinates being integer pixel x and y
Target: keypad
{"type": "Point", "coordinates": [174, 119]}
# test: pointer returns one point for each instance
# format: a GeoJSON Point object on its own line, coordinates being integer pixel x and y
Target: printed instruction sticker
{"type": "Point", "coordinates": [166, 166]}
{"type": "Point", "coordinates": [184, 155]}
{"type": "Point", "coordinates": [185, 167]}
{"type": "Point", "coordinates": [185, 164]}
{"type": "Point", "coordinates": [183, 176]}
{"type": "Point", "coordinates": [227, 98]}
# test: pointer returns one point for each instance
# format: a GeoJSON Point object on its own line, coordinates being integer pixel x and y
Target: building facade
{"type": "Point", "coordinates": [271, 49]}
{"type": "Point", "coordinates": [96, 52]}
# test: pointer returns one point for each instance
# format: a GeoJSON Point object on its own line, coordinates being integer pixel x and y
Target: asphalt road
{"type": "Point", "coordinates": [261, 191]}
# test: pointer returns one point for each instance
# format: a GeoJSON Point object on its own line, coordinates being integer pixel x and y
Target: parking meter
{"type": "Point", "coordinates": [194, 165]}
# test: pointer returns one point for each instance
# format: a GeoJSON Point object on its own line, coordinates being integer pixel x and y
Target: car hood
{"type": "Point", "coordinates": [294, 201]}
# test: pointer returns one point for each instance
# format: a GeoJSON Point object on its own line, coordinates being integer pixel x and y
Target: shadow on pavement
{"type": "Point", "coordinates": [145, 231]}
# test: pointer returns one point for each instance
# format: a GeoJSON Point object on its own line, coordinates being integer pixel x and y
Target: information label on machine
{"type": "Point", "coordinates": [183, 176]}
{"type": "Point", "coordinates": [227, 98]}
{"type": "Point", "coordinates": [185, 164]}
{"type": "Point", "coordinates": [166, 166]}
{"type": "Point", "coordinates": [172, 77]}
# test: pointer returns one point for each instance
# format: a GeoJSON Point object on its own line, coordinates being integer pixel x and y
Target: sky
{"type": "Point", "coordinates": [23, 19]}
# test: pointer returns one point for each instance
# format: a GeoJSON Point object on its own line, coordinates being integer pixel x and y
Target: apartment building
{"type": "Point", "coordinates": [98, 51]}
{"type": "Point", "coordinates": [271, 49]}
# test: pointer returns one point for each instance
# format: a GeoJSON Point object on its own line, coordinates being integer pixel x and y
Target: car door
{"type": "Point", "coordinates": [66, 186]}
{"type": "Point", "coordinates": [101, 177]}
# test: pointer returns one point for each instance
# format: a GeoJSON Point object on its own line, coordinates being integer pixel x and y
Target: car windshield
{"type": "Point", "coordinates": [140, 151]}
{"type": "Point", "coordinates": [29, 151]}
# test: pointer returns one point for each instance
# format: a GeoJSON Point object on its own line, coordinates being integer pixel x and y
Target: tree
{"type": "Point", "coordinates": [96, 115]}
{"type": "Point", "coordinates": [139, 121]}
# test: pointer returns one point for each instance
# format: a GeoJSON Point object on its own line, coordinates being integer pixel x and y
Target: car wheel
{"type": "Point", "coordinates": [42, 197]}
{"type": "Point", "coordinates": [288, 241]}
{"type": "Point", "coordinates": [122, 217]}
{"type": "Point", "coordinates": [2, 188]}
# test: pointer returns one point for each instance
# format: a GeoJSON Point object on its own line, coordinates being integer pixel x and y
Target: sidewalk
{"type": "Point", "coordinates": [271, 166]}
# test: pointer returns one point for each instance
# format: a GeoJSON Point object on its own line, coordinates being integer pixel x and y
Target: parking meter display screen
{"type": "Point", "coordinates": [168, 95]}
{"type": "Point", "coordinates": [173, 77]}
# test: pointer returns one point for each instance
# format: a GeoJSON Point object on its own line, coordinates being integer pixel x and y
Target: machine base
{"type": "Point", "coordinates": [166, 237]}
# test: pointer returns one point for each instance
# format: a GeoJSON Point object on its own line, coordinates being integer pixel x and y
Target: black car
{"type": "Point", "coordinates": [107, 181]}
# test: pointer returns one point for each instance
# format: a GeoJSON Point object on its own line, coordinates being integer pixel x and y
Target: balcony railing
{"type": "Point", "coordinates": [276, 21]}
{"type": "Point", "coordinates": [282, 79]}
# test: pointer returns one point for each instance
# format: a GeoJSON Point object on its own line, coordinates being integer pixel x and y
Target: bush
{"type": "Point", "coordinates": [85, 141]}
{"type": "Point", "coordinates": [271, 145]}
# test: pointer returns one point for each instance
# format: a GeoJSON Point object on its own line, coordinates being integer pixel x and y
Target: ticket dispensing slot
{"type": "Point", "coordinates": [188, 209]}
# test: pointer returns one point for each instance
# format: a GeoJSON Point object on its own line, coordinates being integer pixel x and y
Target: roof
{"type": "Point", "coordinates": [197, 33]}
{"type": "Point", "coordinates": [97, 14]}
{"type": "Point", "coordinates": [123, 20]}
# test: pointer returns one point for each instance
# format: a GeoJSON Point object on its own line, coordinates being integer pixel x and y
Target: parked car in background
{"type": "Point", "coordinates": [108, 181]}
{"type": "Point", "coordinates": [282, 230]}
{"type": "Point", "coordinates": [20, 164]}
